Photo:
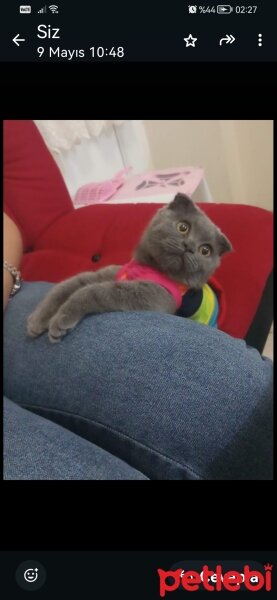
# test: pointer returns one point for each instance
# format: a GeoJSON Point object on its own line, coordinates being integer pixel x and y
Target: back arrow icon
{"type": "Point", "coordinates": [229, 39]}
{"type": "Point", "coordinates": [16, 39]}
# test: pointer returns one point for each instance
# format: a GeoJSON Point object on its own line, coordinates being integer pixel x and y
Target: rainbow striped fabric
{"type": "Point", "coordinates": [207, 312]}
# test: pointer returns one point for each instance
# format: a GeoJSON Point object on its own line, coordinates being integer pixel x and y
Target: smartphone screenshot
{"type": "Point", "coordinates": [137, 149]}
{"type": "Point", "coordinates": [137, 145]}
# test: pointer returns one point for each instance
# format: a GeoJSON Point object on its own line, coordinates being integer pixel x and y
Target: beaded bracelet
{"type": "Point", "coordinates": [16, 275]}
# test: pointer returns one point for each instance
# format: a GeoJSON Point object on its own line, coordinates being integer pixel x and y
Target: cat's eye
{"type": "Point", "coordinates": [205, 250]}
{"type": "Point", "coordinates": [183, 227]}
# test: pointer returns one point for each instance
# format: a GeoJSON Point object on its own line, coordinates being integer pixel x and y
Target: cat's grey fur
{"type": "Point", "coordinates": [163, 247]}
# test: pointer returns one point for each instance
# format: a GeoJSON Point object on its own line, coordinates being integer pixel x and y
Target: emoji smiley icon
{"type": "Point", "coordinates": [31, 575]}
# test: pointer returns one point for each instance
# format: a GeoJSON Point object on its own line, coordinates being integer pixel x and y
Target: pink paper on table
{"type": "Point", "coordinates": [93, 193]}
{"type": "Point", "coordinates": [159, 185]}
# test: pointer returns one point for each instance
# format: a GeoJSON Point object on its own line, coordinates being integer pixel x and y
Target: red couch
{"type": "Point", "coordinates": [60, 241]}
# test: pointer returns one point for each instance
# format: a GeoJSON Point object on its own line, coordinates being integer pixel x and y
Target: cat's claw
{"type": "Point", "coordinates": [35, 325]}
{"type": "Point", "coordinates": [55, 338]}
{"type": "Point", "coordinates": [59, 326]}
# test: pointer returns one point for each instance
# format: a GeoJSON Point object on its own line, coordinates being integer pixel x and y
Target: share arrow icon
{"type": "Point", "coordinates": [229, 39]}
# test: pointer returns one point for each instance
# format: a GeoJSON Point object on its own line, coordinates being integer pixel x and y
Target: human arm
{"type": "Point", "coordinates": [13, 248]}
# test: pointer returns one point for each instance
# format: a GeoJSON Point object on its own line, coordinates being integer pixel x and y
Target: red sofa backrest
{"type": "Point", "coordinates": [35, 194]}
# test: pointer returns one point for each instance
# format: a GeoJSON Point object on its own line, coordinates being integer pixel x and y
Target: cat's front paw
{"type": "Point", "coordinates": [60, 325]}
{"type": "Point", "coordinates": [36, 325]}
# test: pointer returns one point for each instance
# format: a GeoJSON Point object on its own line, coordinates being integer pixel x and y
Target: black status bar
{"type": "Point", "coordinates": [119, 32]}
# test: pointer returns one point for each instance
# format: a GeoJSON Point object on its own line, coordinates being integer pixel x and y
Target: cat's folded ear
{"type": "Point", "coordinates": [223, 244]}
{"type": "Point", "coordinates": [182, 201]}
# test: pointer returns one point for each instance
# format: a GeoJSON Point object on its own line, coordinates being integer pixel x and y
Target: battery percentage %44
{"type": "Point", "coordinates": [201, 9]}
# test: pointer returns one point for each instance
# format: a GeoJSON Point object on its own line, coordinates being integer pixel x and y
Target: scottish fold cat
{"type": "Point", "coordinates": [177, 253]}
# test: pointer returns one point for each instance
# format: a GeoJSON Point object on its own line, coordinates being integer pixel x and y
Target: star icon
{"type": "Point", "coordinates": [190, 41]}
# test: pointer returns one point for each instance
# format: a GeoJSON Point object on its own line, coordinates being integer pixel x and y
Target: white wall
{"type": "Point", "coordinates": [255, 152]}
{"type": "Point", "coordinates": [237, 155]}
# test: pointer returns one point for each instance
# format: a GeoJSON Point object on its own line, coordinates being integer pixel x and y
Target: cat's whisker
{"type": "Point", "coordinates": [174, 247]}
{"type": "Point", "coordinates": [191, 261]}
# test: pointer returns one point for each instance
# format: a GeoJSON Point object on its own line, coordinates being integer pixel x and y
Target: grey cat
{"type": "Point", "coordinates": [180, 242]}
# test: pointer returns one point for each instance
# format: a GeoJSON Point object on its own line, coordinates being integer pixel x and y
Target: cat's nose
{"type": "Point", "coordinates": [189, 247]}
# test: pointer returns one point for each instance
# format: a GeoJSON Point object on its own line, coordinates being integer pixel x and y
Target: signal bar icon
{"type": "Point", "coordinates": [43, 10]}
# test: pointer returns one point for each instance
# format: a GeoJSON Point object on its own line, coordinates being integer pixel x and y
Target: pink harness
{"type": "Point", "coordinates": [134, 270]}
